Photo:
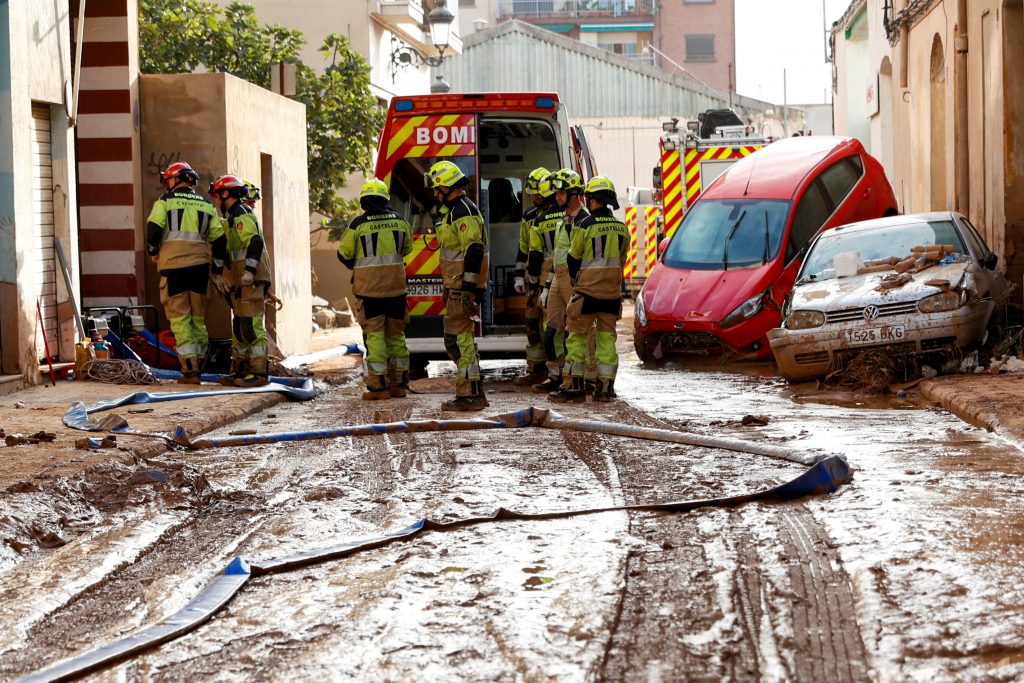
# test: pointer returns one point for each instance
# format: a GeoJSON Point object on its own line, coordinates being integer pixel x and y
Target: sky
{"type": "Point", "coordinates": [773, 36]}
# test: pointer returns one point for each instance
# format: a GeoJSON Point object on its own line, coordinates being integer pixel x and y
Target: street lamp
{"type": "Point", "coordinates": [439, 24]}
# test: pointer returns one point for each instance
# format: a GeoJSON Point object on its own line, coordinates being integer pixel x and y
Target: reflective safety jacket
{"type": "Point", "coordinates": [542, 245]}
{"type": "Point", "coordinates": [563, 238]}
{"type": "Point", "coordinates": [246, 249]}
{"type": "Point", "coordinates": [525, 226]}
{"type": "Point", "coordinates": [180, 228]}
{"type": "Point", "coordinates": [374, 246]}
{"type": "Point", "coordinates": [463, 245]}
{"type": "Point", "coordinates": [597, 254]}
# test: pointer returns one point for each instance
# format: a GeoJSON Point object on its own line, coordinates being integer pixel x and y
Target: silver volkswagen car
{"type": "Point", "coordinates": [919, 283]}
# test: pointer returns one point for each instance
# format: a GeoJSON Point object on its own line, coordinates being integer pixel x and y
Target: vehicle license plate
{"type": "Point", "coordinates": [875, 335]}
{"type": "Point", "coordinates": [425, 289]}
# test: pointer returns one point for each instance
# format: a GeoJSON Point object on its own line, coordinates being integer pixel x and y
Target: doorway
{"type": "Point", "coordinates": [267, 222]}
{"type": "Point", "coordinates": [1013, 145]}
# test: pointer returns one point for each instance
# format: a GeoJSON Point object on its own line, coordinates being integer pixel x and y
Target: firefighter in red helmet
{"type": "Point", "coordinates": [248, 281]}
{"type": "Point", "coordinates": [179, 231]}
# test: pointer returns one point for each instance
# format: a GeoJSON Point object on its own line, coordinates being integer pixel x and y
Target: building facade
{"type": "Point", "coordinates": [934, 89]}
{"type": "Point", "coordinates": [695, 37]}
{"type": "Point", "coordinates": [76, 181]}
{"type": "Point", "coordinates": [38, 188]}
{"type": "Point", "coordinates": [620, 102]}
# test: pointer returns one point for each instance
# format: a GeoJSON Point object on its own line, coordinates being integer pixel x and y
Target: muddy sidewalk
{"type": "Point", "coordinates": [992, 402]}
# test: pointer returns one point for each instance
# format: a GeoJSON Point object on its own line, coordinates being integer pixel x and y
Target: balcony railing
{"type": "Point", "coordinates": [567, 9]}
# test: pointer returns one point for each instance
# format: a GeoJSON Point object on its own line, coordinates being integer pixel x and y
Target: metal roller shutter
{"type": "Point", "coordinates": [43, 252]}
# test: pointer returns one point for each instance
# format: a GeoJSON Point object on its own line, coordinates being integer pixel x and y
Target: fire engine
{"type": "Point", "coordinates": [644, 221]}
{"type": "Point", "coordinates": [496, 139]}
{"type": "Point", "coordinates": [690, 161]}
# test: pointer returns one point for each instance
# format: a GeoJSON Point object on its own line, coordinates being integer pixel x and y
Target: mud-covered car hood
{"type": "Point", "coordinates": [676, 294]}
{"type": "Point", "coordinates": [861, 290]}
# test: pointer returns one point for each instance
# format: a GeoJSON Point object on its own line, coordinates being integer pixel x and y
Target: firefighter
{"type": "Point", "coordinates": [536, 360]}
{"type": "Point", "coordinates": [568, 186]}
{"type": "Point", "coordinates": [464, 272]}
{"type": "Point", "coordinates": [595, 260]}
{"type": "Point", "coordinates": [252, 195]}
{"type": "Point", "coordinates": [540, 267]}
{"type": "Point", "coordinates": [249, 274]}
{"type": "Point", "coordinates": [373, 246]}
{"type": "Point", "coordinates": [179, 231]}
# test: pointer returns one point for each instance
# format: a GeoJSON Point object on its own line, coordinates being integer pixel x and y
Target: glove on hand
{"type": "Point", "coordinates": [247, 279]}
{"type": "Point", "coordinates": [519, 285]}
{"type": "Point", "coordinates": [220, 283]}
{"type": "Point", "coordinates": [544, 297]}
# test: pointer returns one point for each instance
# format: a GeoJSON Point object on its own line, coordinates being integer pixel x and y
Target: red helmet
{"type": "Point", "coordinates": [180, 170]}
{"type": "Point", "coordinates": [232, 183]}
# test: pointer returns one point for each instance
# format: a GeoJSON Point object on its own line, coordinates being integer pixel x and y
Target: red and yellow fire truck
{"type": "Point", "coordinates": [690, 160]}
{"type": "Point", "coordinates": [496, 139]}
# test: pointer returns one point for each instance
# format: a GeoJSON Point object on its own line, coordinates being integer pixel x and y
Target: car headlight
{"type": "Point", "coordinates": [942, 302]}
{"type": "Point", "coordinates": [745, 310]}
{"type": "Point", "coordinates": [804, 320]}
{"type": "Point", "coordinates": [640, 311]}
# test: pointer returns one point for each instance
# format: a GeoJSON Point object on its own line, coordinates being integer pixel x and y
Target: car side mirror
{"type": "Point", "coordinates": [663, 245]}
{"type": "Point", "coordinates": [990, 261]}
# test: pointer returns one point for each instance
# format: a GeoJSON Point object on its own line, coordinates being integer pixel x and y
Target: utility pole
{"type": "Point", "coordinates": [785, 113]}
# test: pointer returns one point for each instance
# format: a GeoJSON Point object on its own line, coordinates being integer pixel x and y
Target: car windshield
{"type": "Point", "coordinates": [725, 234]}
{"type": "Point", "coordinates": [840, 253]}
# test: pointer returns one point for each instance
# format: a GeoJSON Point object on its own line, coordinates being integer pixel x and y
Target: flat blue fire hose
{"type": "Point", "coordinates": [77, 416]}
{"type": "Point", "coordinates": [824, 475]}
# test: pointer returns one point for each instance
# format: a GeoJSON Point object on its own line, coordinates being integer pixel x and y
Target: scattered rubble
{"type": "Point", "coordinates": [327, 315]}
{"type": "Point", "coordinates": [21, 440]}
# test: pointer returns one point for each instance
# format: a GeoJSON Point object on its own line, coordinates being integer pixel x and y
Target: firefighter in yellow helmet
{"type": "Point", "coordinates": [249, 281]}
{"type": "Point", "coordinates": [541, 268]}
{"type": "Point", "coordinates": [180, 229]}
{"type": "Point", "coordinates": [536, 367]}
{"type": "Point", "coordinates": [252, 194]}
{"type": "Point", "coordinates": [596, 255]}
{"type": "Point", "coordinates": [464, 270]}
{"type": "Point", "coordinates": [374, 247]}
{"type": "Point", "coordinates": [568, 187]}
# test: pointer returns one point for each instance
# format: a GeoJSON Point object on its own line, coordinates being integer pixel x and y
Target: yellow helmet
{"type": "Point", "coordinates": [253, 193]}
{"type": "Point", "coordinates": [544, 187]}
{"type": "Point", "coordinates": [566, 179]}
{"type": "Point", "coordinates": [533, 180]}
{"type": "Point", "coordinates": [444, 174]}
{"type": "Point", "coordinates": [601, 188]}
{"type": "Point", "coordinates": [374, 188]}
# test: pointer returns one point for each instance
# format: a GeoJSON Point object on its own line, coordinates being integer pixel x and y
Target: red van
{"type": "Point", "coordinates": [722, 277]}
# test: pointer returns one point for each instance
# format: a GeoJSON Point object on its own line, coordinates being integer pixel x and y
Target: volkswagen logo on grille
{"type": "Point", "coordinates": [870, 312]}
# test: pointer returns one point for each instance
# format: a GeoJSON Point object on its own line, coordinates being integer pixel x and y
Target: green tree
{"type": "Point", "coordinates": [343, 117]}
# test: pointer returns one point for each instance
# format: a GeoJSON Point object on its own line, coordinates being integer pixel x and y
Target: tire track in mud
{"type": "Point", "coordinates": [822, 603]}
{"type": "Point", "coordinates": [712, 595]}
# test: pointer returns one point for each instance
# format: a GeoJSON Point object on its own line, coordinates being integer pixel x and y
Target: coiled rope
{"type": "Point", "coordinates": [118, 371]}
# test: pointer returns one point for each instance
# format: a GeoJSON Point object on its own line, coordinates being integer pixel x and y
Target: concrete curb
{"type": "Point", "coordinates": [961, 404]}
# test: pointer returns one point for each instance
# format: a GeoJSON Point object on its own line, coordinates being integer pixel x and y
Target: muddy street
{"type": "Point", "coordinates": [909, 572]}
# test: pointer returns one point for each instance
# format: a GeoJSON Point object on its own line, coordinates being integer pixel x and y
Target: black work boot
{"type": "Point", "coordinates": [575, 393]}
{"type": "Point", "coordinates": [548, 385]}
{"type": "Point", "coordinates": [239, 367]}
{"type": "Point", "coordinates": [376, 388]}
{"type": "Point", "coordinates": [605, 391]}
{"type": "Point", "coordinates": [398, 383]}
{"type": "Point", "coordinates": [465, 403]}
